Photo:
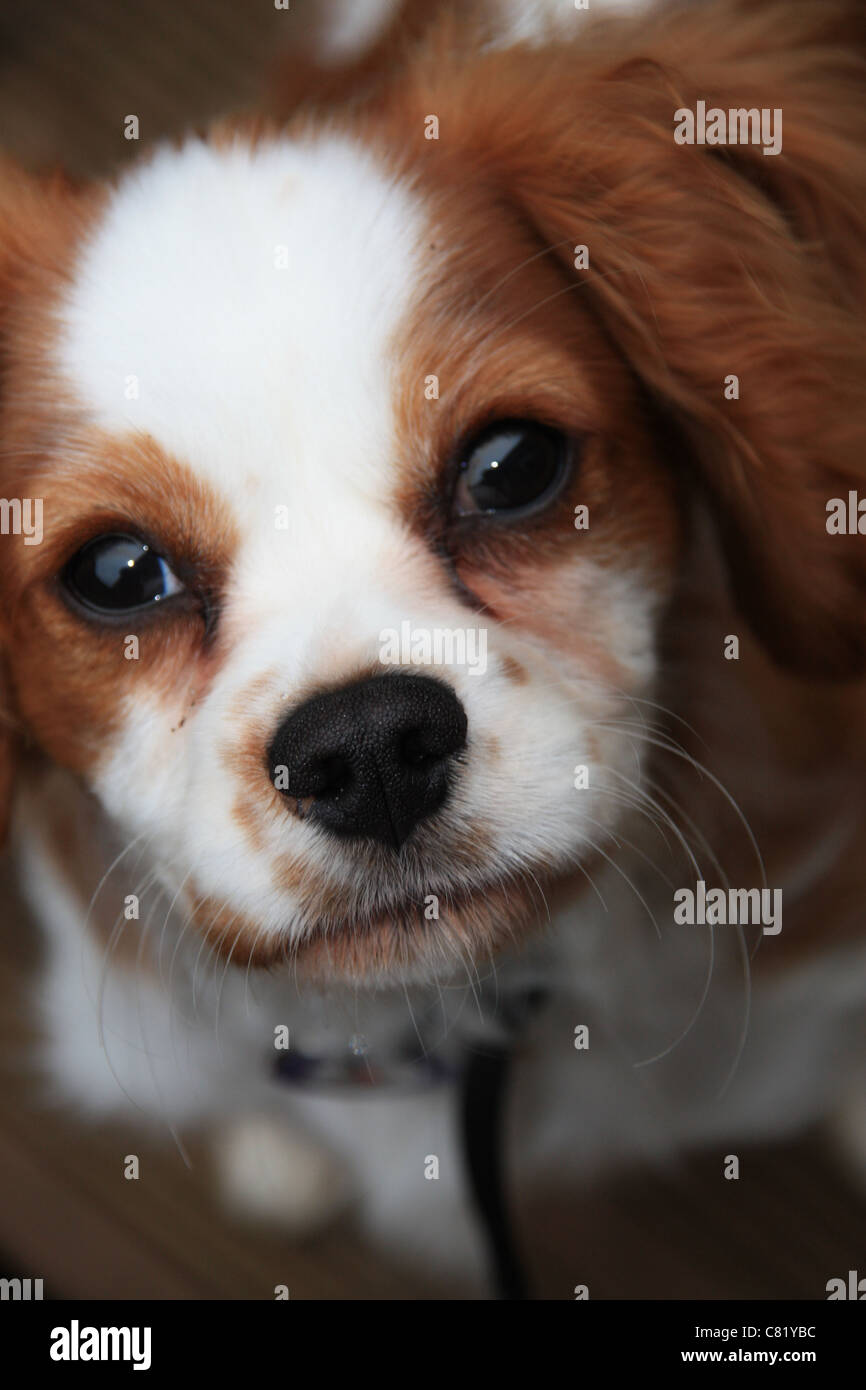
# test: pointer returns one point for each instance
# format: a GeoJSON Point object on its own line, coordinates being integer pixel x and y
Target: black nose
{"type": "Point", "coordinates": [374, 756]}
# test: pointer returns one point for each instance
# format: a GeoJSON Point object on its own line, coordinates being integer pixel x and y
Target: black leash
{"type": "Point", "coordinates": [482, 1105]}
{"type": "Point", "coordinates": [481, 1075]}
{"type": "Point", "coordinates": [483, 1096]}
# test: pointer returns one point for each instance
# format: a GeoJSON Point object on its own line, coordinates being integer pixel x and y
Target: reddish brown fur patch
{"type": "Point", "coordinates": [68, 674]}
{"type": "Point", "coordinates": [41, 224]}
{"type": "Point", "coordinates": [257, 802]}
{"type": "Point", "coordinates": [513, 671]}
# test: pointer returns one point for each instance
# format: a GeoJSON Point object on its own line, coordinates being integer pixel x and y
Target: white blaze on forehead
{"type": "Point", "coordinates": [248, 296]}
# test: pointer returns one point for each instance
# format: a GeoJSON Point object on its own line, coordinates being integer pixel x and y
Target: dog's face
{"type": "Point", "coordinates": [358, 524]}
{"type": "Point", "coordinates": [249, 476]}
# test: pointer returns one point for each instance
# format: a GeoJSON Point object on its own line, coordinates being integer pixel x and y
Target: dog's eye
{"type": "Point", "coordinates": [513, 469]}
{"type": "Point", "coordinates": [119, 574]}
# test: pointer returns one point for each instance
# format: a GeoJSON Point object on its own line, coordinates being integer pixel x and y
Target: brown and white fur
{"type": "Point", "coordinates": [297, 381]}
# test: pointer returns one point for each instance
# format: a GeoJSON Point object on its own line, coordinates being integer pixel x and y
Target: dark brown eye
{"type": "Point", "coordinates": [119, 574]}
{"type": "Point", "coordinates": [513, 469]}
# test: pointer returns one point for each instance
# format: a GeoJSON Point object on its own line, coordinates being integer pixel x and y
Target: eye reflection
{"type": "Point", "coordinates": [514, 469]}
{"type": "Point", "coordinates": [119, 574]}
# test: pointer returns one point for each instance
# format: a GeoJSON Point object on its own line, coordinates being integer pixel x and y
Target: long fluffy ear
{"type": "Point", "coordinates": [15, 195]}
{"type": "Point", "coordinates": [35, 227]}
{"type": "Point", "coordinates": [711, 262]}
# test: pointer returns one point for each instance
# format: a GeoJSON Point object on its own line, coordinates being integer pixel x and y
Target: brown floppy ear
{"type": "Point", "coordinates": [34, 235]}
{"type": "Point", "coordinates": [15, 195]}
{"type": "Point", "coordinates": [712, 262]}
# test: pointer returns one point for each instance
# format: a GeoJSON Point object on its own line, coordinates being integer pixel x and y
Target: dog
{"type": "Point", "coordinates": [432, 581]}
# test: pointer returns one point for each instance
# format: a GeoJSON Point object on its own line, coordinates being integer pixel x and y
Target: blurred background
{"type": "Point", "coordinates": [69, 74]}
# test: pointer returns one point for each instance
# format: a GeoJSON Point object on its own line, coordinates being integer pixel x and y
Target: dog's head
{"type": "Point", "coordinates": [361, 449]}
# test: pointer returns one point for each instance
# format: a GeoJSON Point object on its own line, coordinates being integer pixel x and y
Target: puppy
{"type": "Point", "coordinates": [424, 588]}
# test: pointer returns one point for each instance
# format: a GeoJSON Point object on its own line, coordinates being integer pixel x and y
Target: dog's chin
{"type": "Point", "coordinates": [404, 942]}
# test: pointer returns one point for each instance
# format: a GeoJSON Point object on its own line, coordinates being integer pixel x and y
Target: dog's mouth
{"type": "Point", "coordinates": [408, 940]}
{"type": "Point", "coordinates": [448, 927]}
{"type": "Point", "coordinates": [400, 940]}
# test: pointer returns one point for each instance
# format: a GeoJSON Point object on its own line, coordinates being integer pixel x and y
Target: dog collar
{"type": "Point", "coordinates": [419, 1061]}
{"type": "Point", "coordinates": [360, 1069]}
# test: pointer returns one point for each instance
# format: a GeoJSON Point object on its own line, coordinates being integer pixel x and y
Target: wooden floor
{"type": "Point", "coordinates": [69, 74]}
